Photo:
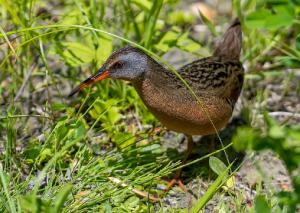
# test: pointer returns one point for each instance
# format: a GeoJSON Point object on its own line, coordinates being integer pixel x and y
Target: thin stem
{"type": "Point", "coordinates": [24, 116]}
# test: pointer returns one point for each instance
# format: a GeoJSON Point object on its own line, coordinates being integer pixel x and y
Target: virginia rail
{"type": "Point", "coordinates": [216, 80]}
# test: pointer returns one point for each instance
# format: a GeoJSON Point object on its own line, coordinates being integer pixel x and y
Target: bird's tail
{"type": "Point", "coordinates": [229, 47]}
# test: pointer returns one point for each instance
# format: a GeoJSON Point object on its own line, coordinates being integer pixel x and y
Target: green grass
{"type": "Point", "coordinates": [95, 152]}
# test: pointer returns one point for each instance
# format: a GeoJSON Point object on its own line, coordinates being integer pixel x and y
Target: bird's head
{"type": "Point", "coordinates": [128, 63]}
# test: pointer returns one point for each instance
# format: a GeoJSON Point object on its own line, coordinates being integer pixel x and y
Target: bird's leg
{"type": "Point", "coordinates": [178, 172]}
{"type": "Point", "coordinates": [212, 143]}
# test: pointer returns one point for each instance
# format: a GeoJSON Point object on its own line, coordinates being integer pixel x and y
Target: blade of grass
{"type": "Point", "coordinates": [151, 21]}
{"type": "Point", "coordinates": [131, 15]}
{"type": "Point", "coordinates": [211, 191]}
{"type": "Point", "coordinates": [4, 184]}
{"type": "Point", "coordinates": [52, 162]}
{"type": "Point", "coordinates": [8, 43]}
{"type": "Point", "coordinates": [85, 17]}
{"type": "Point", "coordinates": [208, 23]}
{"type": "Point", "coordinates": [293, 53]}
{"type": "Point", "coordinates": [14, 16]}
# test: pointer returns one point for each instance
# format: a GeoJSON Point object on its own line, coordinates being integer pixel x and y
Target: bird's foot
{"type": "Point", "coordinates": [176, 178]}
{"type": "Point", "coordinates": [173, 182]}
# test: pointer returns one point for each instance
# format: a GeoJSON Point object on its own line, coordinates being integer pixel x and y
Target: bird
{"type": "Point", "coordinates": [216, 81]}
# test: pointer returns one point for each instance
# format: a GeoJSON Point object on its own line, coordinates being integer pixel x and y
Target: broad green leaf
{"type": "Point", "coordinates": [114, 115]}
{"type": "Point", "coordinates": [77, 54]}
{"type": "Point", "coordinates": [154, 148]}
{"type": "Point", "coordinates": [277, 131]}
{"type": "Point", "coordinates": [111, 115]}
{"type": "Point", "coordinates": [230, 182]}
{"type": "Point", "coordinates": [31, 154]}
{"type": "Point", "coordinates": [283, 18]}
{"type": "Point", "coordinates": [30, 203]}
{"type": "Point", "coordinates": [187, 44]}
{"type": "Point", "coordinates": [295, 134]}
{"type": "Point", "coordinates": [61, 197]}
{"type": "Point", "coordinates": [123, 139]}
{"type": "Point", "coordinates": [261, 205]}
{"type": "Point", "coordinates": [70, 17]}
{"type": "Point", "coordinates": [257, 19]}
{"type": "Point", "coordinates": [79, 131]}
{"type": "Point", "coordinates": [181, 18]}
{"type": "Point", "coordinates": [168, 40]}
{"type": "Point", "coordinates": [217, 165]}
{"type": "Point", "coordinates": [59, 106]}
{"type": "Point", "coordinates": [244, 138]}
{"type": "Point", "coordinates": [108, 207]}
{"type": "Point", "coordinates": [61, 132]}
{"type": "Point", "coordinates": [104, 49]}
{"type": "Point", "coordinates": [45, 154]}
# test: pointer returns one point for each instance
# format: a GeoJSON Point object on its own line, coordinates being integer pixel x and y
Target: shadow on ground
{"type": "Point", "coordinates": [205, 145]}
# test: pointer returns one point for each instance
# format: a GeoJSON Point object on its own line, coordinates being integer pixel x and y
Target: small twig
{"type": "Point", "coordinates": [19, 93]}
{"type": "Point", "coordinates": [8, 43]}
{"type": "Point", "coordinates": [136, 191]}
{"type": "Point", "coordinates": [10, 40]}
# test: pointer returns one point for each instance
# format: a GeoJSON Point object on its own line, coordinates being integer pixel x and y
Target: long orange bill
{"type": "Point", "coordinates": [100, 75]}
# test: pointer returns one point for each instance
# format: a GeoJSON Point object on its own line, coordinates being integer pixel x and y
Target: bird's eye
{"type": "Point", "coordinates": [118, 65]}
